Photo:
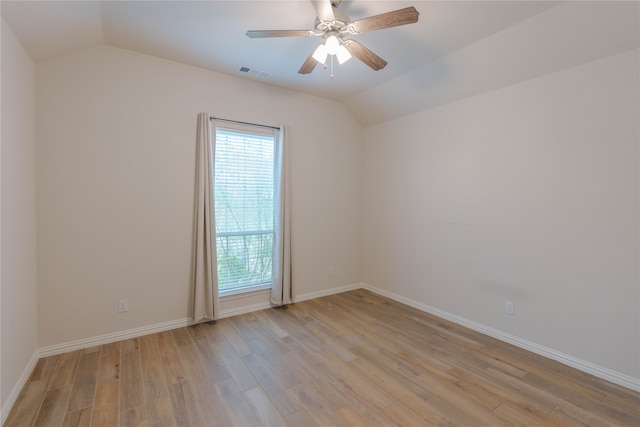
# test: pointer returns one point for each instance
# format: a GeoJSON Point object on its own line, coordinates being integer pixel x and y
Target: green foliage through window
{"type": "Point", "coordinates": [243, 193]}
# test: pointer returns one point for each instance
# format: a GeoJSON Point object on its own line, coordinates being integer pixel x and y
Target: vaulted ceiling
{"type": "Point", "coordinates": [456, 49]}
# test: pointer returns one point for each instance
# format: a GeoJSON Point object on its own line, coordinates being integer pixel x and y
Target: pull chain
{"type": "Point", "coordinates": [331, 75]}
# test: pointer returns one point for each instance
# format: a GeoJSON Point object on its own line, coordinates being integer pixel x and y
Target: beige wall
{"type": "Point", "coordinates": [115, 159]}
{"type": "Point", "coordinates": [528, 193]}
{"type": "Point", "coordinates": [18, 215]}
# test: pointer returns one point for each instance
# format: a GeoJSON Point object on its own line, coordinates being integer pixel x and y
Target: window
{"type": "Point", "coordinates": [244, 207]}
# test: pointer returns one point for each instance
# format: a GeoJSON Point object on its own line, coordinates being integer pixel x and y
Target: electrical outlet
{"type": "Point", "coordinates": [123, 305]}
{"type": "Point", "coordinates": [331, 271]}
{"type": "Point", "coordinates": [509, 308]}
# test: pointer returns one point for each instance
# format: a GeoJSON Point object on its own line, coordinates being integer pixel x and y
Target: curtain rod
{"type": "Point", "coordinates": [244, 123]}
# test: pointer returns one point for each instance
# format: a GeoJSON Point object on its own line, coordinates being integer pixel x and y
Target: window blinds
{"type": "Point", "coordinates": [243, 200]}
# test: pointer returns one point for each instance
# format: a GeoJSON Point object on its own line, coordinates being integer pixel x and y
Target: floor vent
{"type": "Point", "coordinates": [254, 72]}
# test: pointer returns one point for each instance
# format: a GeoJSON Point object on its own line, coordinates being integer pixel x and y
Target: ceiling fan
{"type": "Point", "coordinates": [333, 27]}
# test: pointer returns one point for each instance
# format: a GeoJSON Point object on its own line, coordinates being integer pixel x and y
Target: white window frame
{"type": "Point", "coordinates": [245, 128]}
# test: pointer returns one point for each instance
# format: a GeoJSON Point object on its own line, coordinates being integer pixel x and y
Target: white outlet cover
{"type": "Point", "coordinates": [509, 308]}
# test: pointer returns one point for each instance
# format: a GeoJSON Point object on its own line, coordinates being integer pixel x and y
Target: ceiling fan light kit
{"type": "Point", "coordinates": [332, 46]}
{"type": "Point", "coordinates": [343, 54]}
{"type": "Point", "coordinates": [320, 54]}
{"type": "Point", "coordinates": [333, 26]}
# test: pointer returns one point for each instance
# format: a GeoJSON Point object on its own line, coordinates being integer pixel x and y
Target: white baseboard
{"type": "Point", "coordinates": [17, 388]}
{"type": "Point", "coordinates": [113, 337]}
{"type": "Point", "coordinates": [327, 292]}
{"type": "Point", "coordinates": [582, 365]}
{"type": "Point", "coordinates": [244, 309]}
{"type": "Point", "coordinates": [173, 324]}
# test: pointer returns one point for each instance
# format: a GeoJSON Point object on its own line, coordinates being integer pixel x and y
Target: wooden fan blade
{"type": "Point", "coordinates": [365, 55]}
{"type": "Point", "coordinates": [309, 64]}
{"type": "Point", "coordinates": [258, 34]}
{"type": "Point", "coordinates": [324, 10]}
{"type": "Point", "coordinates": [408, 15]}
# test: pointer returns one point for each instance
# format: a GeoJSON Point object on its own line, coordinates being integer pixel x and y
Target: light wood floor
{"type": "Point", "coordinates": [354, 359]}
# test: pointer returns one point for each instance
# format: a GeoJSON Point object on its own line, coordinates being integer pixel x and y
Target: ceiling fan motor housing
{"type": "Point", "coordinates": [339, 25]}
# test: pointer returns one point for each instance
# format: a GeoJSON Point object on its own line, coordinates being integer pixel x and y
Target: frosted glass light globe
{"type": "Point", "coordinates": [332, 45]}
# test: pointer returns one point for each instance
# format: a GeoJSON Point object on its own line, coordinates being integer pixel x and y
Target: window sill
{"type": "Point", "coordinates": [244, 292]}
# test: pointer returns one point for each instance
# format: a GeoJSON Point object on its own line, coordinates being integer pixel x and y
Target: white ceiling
{"type": "Point", "coordinates": [211, 34]}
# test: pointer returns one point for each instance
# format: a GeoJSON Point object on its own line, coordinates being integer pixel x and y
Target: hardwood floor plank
{"type": "Point", "coordinates": [164, 334]}
{"type": "Point", "coordinates": [336, 345]}
{"type": "Point", "coordinates": [54, 407]}
{"type": "Point", "coordinates": [508, 368]}
{"type": "Point", "coordinates": [417, 416]}
{"type": "Point", "coordinates": [173, 370]}
{"type": "Point", "coordinates": [365, 389]}
{"type": "Point", "coordinates": [25, 410]}
{"type": "Point", "coordinates": [135, 417]}
{"type": "Point", "coordinates": [109, 363]}
{"type": "Point", "coordinates": [485, 386]}
{"type": "Point", "coordinates": [234, 338]}
{"type": "Point", "coordinates": [260, 348]}
{"type": "Point", "coordinates": [580, 396]}
{"type": "Point", "coordinates": [362, 346]}
{"type": "Point", "coordinates": [158, 403]}
{"type": "Point", "coordinates": [286, 374]}
{"type": "Point", "coordinates": [208, 330]}
{"type": "Point", "coordinates": [324, 314]}
{"type": "Point", "coordinates": [279, 395]}
{"type": "Point", "coordinates": [579, 416]}
{"type": "Point", "coordinates": [270, 320]}
{"type": "Point", "coordinates": [184, 405]}
{"type": "Point", "coordinates": [106, 409]}
{"type": "Point", "coordinates": [181, 337]}
{"type": "Point", "coordinates": [379, 416]}
{"type": "Point", "coordinates": [43, 371]}
{"type": "Point", "coordinates": [94, 349]}
{"type": "Point", "coordinates": [518, 417]}
{"type": "Point", "coordinates": [196, 374]}
{"type": "Point", "coordinates": [300, 419]}
{"type": "Point", "coordinates": [201, 385]}
{"type": "Point", "coordinates": [464, 414]}
{"type": "Point", "coordinates": [300, 334]}
{"type": "Point", "coordinates": [628, 404]}
{"type": "Point", "coordinates": [320, 383]}
{"type": "Point", "coordinates": [521, 393]}
{"type": "Point", "coordinates": [309, 365]}
{"type": "Point", "coordinates": [410, 394]}
{"type": "Point", "coordinates": [211, 359]}
{"type": "Point", "coordinates": [236, 366]}
{"type": "Point", "coordinates": [129, 346]}
{"type": "Point", "coordinates": [65, 371]}
{"type": "Point", "coordinates": [131, 388]}
{"type": "Point", "coordinates": [233, 399]}
{"type": "Point", "coordinates": [84, 385]}
{"type": "Point", "coordinates": [350, 416]}
{"type": "Point", "coordinates": [241, 327]}
{"type": "Point", "coordinates": [263, 334]}
{"type": "Point", "coordinates": [322, 411]}
{"type": "Point", "coordinates": [83, 418]}
{"type": "Point", "coordinates": [263, 408]}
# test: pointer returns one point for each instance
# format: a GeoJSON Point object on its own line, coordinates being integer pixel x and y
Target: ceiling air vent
{"type": "Point", "coordinates": [253, 72]}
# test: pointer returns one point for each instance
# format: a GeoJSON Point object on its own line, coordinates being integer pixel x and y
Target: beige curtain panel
{"type": "Point", "coordinates": [205, 278]}
{"type": "Point", "coordinates": [281, 288]}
